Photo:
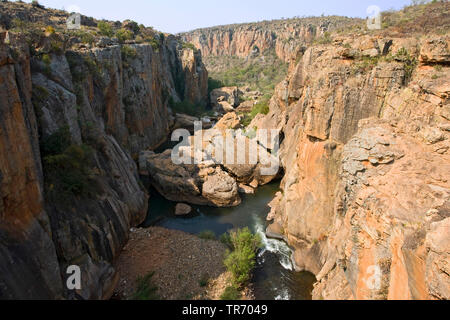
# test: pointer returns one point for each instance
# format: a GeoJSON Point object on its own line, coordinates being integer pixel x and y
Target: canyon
{"type": "Point", "coordinates": [364, 121]}
{"type": "Point", "coordinates": [366, 168]}
{"type": "Point", "coordinates": [365, 157]}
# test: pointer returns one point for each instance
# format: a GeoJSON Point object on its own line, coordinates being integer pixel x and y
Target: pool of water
{"type": "Point", "coordinates": [274, 278]}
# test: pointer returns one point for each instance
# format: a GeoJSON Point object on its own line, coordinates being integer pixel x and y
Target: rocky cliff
{"type": "Point", "coordinates": [72, 117]}
{"type": "Point", "coordinates": [365, 197]}
{"type": "Point", "coordinates": [283, 36]}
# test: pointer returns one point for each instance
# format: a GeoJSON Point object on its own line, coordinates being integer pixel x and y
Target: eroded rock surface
{"type": "Point", "coordinates": [202, 184]}
{"type": "Point", "coordinates": [366, 162]}
{"type": "Point", "coordinates": [246, 40]}
{"type": "Point", "coordinates": [210, 168]}
{"type": "Point", "coordinates": [114, 99]}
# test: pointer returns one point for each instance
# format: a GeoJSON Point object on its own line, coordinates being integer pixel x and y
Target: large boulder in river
{"type": "Point", "coordinates": [184, 121]}
{"type": "Point", "coordinates": [183, 209]}
{"type": "Point", "coordinates": [200, 184]}
{"type": "Point", "coordinates": [209, 171]}
{"type": "Point", "coordinates": [221, 189]}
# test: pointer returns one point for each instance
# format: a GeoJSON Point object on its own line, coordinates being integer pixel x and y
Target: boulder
{"type": "Point", "coordinates": [221, 190]}
{"type": "Point", "coordinates": [435, 51]}
{"type": "Point", "coordinates": [200, 184]}
{"type": "Point", "coordinates": [182, 209]}
{"type": "Point", "coordinates": [275, 231]}
{"type": "Point", "coordinates": [229, 121]}
{"type": "Point", "coordinates": [224, 107]}
{"type": "Point", "coordinates": [245, 107]}
{"type": "Point", "coordinates": [245, 189]}
{"type": "Point", "coordinates": [432, 135]}
{"type": "Point", "coordinates": [225, 99]}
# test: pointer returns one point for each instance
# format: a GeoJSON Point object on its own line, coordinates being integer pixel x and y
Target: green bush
{"type": "Point", "coordinates": [204, 280]}
{"type": "Point", "coordinates": [241, 261]}
{"type": "Point", "coordinates": [145, 289]}
{"type": "Point", "coordinates": [154, 43]}
{"type": "Point", "coordinates": [128, 53]}
{"type": "Point", "coordinates": [409, 62]}
{"type": "Point", "coordinates": [214, 84]}
{"type": "Point", "coordinates": [69, 172]}
{"type": "Point", "coordinates": [325, 39]}
{"type": "Point", "coordinates": [39, 96]}
{"type": "Point", "coordinates": [262, 107]}
{"type": "Point", "coordinates": [31, 32]}
{"type": "Point", "coordinates": [19, 25]}
{"type": "Point", "coordinates": [105, 29]}
{"type": "Point", "coordinates": [207, 235]}
{"type": "Point", "coordinates": [36, 3]}
{"type": "Point", "coordinates": [189, 108]}
{"type": "Point", "coordinates": [47, 60]}
{"type": "Point", "coordinates": [364, 64]}
{"type": "Point", "coordinates": [438, 68]}
{"type": "Point", "coordinates": [124, 35]}
{"type": "Point", "coordinates": [57, 142]}
{"type": "Point", "coordinates": [187, 45]}
{"type": "Point", "coordinates": [84, 36]}
{"type": "Point", "coordinates": [226, 240]}
{"type": "Point", "coordinates": [231, 293]}
{"type": "Point", "coordinates": [67, 166]}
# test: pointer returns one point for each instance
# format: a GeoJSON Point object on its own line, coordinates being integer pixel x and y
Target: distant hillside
{"type": "Point", "coordinates": [282, 36]}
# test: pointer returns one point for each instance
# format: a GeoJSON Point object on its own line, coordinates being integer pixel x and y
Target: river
{"type": "Point", "coordinates": [274, 277]}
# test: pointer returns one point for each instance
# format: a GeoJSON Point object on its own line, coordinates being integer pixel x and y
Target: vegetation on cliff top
{"type": "Point", "coordinates": [420, 17]}
{"type": "Point", "coordinates": [37, 23]}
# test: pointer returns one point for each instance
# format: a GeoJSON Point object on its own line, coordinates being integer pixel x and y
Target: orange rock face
{"type": "Point", "coordinates": [366, 162]}
{"type": "Point", "coordinates": [118, 108]}
{"type": "Point", "coordinates": [284, 37]}
{"type": "Point", "coordinates": [26, 247]}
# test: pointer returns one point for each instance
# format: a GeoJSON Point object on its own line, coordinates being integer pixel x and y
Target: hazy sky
{"type": "Point", "coordinates": [183, 15]}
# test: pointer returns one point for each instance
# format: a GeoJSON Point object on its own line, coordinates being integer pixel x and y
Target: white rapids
{"type": "Point", "coordinates": [280, 249]}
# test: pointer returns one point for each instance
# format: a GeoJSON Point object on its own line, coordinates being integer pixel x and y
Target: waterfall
{"type": "Point", "coordinates": [280, 248]}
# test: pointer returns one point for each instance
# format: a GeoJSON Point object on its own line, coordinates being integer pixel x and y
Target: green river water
{"type": "Point", "coordinates": [274, 277]}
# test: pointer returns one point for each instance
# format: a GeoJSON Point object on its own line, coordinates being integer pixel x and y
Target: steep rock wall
{"type": "Point", "coordinates": [115, 99]}
{"type": "Point", "coordinates": [29, 266]}
{"type": "Point", "coordinates": [360, 135]}
{"type": "Point", "coordinates": [243, 40]}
